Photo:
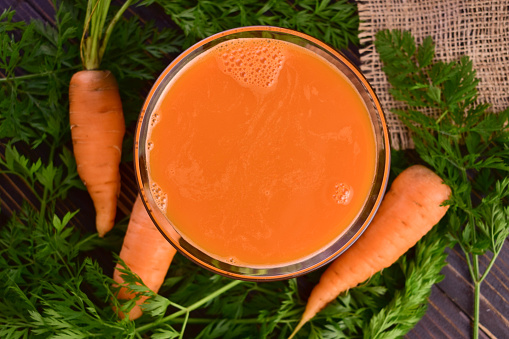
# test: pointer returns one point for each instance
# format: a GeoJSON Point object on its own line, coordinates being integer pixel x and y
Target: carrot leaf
{"type": "Point", "coordinates": [465, 143]}
{"type": "Point", "coordinates": [334, 23]}
{"type": "Point", "coordinates": [55, 277]}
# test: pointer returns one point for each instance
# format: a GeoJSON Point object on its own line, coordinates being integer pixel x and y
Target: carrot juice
{"type": "Point", "coordinates": [260, 152]}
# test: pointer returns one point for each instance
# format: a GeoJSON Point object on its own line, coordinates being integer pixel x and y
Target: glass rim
{"type": "Point", "coordinates": [269, 272]}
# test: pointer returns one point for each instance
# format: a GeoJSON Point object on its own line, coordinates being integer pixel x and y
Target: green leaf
{"type": "Point", "coordinates": [156, 305]}
{"type": "Point", "coordinates": [426, 52]}
{"type": "Point", "coordinates": [165, 332]}
{"type": "Point", "coordinates": [434, 93]}
{"type": "Point", "coordinates": [466, 145]}
{"type": "Point", "coordinates": [334, 23]}
{"type": "Point", "coordinates": [57, 223]}
{"type": "Point", "coordinates": [60, 224]}
{"type": "Point", "coordinates": [47, 176]}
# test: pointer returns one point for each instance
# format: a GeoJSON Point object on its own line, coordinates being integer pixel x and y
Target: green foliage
{"type": "Point", "coordinates": [30, 103]}
{"type": "Point", "coordinates": [466, 145]}
{"type": "Point", "coordinates": [52, 286]}
{"type": "Point", "coordinates": [334, 22]}
{"type": "Point", "coordinates": [39, 64]}
{"type": "Point", "coordinates": [49, 289]}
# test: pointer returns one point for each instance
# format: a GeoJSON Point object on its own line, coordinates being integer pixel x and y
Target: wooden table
{"type": "Point", "coordinates": [451, 303]}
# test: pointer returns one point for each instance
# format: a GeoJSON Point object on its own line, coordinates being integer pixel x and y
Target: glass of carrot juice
{"type": "Point", "coordinates": [261, 153]}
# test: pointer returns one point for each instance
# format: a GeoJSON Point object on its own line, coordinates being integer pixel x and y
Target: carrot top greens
{"type": "Point", "coordinates": [55, 277]}
{"type": "Point", "coordinates": [466, 145]}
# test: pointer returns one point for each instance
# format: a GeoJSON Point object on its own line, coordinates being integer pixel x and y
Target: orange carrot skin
{"type": "Point", "coordinates": [146, 252]}
{"type": "Point", "coordinates": [97, 129]}
{"type": "Point", "coordinates": [408, 211]}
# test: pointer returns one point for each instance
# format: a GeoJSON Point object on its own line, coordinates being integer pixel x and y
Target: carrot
{"type": "Point", "coordinates": [96, 116]}
{"type": "Point", "coordinates": [97, 130]}
{"type": "Point", "coordinates": [408, 211]}
{"type": "Point", "coordinates": [146, 252]}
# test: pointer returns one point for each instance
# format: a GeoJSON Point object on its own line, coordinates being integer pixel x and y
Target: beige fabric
{"type": "Point", "coordinates": [477, 28]}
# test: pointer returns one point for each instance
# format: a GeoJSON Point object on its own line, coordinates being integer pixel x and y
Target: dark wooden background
{"type": "Point", "coordinates": [451, 303]}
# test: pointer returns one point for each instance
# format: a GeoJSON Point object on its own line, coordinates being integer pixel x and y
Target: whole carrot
{"type": "Point", "coordinates": [146, 252]}
{"type": "Point", "coordinates": [408, 211]}
{"type": "Point", "coordinates": [96, 116]}
{"type": "Point", "coordinates": [97, 130]}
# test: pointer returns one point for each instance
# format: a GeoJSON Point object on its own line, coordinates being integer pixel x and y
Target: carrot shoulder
{"type": "Point", "coordinates": [97, 129]}
{"type": "Point", "coordinates": [146, 252]}
{"type": "Point", "coordinates": [408, 211]}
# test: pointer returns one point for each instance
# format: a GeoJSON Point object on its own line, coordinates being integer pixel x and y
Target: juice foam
{"type": "Point", "coordinates": [252, 63]}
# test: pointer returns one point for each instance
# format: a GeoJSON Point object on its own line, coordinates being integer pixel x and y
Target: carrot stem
{"type": "Point", "coordinates": [243, 321]}
{"type": "Point", "coordinates": [477, 290]}
{"type": "Point", "coordinates": [90, 60]}
{"type": "Point", "coordinates": [191, 308]}
{"type": "Point", "coordinates": [107, 34]}
{"type": "Point", "coordinates": [490, 265]}
{"type": "Point", "coordinates": [88, 13]}
{"type": "Point", "coordinates": [85, 29]}
{"type": "Point", "coordinates": [469, 261]}
{"type": "Point", "coordinates": [92, 47]}
{"type": "Point", "coordinates": [474, 263]}
{"type": "Point", "coordinates": [186, 319]}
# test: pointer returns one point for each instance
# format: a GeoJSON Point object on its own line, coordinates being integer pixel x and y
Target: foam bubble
{"type": "Point", "coordinates": [342, 194]}
{"type": "Point", "coordinates": [255, 62]}
{"type": "Point", "coordinates": [154, 119]}
{"type": "Point", "coordinates": [160, 198]}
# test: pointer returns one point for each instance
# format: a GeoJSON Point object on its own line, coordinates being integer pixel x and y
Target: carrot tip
{"type": "Point", "coordinates": [101, 231]}
{"type": "Point", "coordinates": [297, 329]}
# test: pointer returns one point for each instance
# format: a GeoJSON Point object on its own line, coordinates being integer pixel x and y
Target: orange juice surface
{"type": "Point", "coordinates": [260, 152]}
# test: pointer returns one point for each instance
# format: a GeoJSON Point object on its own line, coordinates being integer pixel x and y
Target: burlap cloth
{"type": "Point", "coordinates": [479, 29]}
